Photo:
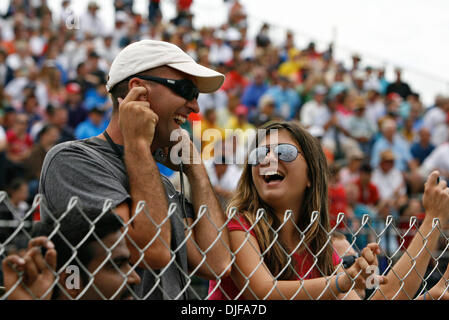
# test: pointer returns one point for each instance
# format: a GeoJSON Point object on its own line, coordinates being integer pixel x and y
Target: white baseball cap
{"type": "Point", "coordinates": [148, 54]}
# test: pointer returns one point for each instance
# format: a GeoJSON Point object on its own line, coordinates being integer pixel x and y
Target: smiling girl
{"type": "Point", "coordinates": [286, 253]}
{"type": "Point", "coordinates": [278, 254]}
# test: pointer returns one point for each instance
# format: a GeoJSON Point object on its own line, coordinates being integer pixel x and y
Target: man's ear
{"type": "Point", "coordinates": [136, 82]}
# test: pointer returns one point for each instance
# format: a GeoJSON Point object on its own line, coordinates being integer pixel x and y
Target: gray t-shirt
{"type": "Point", "coordinates": [91, 170]}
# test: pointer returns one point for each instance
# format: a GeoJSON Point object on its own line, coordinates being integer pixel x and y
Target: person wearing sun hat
{"type": "Point", "coordinates": [154, 86]}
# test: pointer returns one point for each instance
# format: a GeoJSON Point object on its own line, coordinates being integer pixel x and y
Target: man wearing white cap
{"type": "Point", "coordinates": [154, 86]}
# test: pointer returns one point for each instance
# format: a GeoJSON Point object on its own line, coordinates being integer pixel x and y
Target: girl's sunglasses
{"type": "Point", "coordinates": [283, 151]}
{"type": "Point", "coordinates": [183, 87]}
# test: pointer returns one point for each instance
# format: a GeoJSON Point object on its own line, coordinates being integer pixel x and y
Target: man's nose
{"type": "Point", "coordinates": [133, 278]}
{"type": "Point", "coordinates": [193, 106]}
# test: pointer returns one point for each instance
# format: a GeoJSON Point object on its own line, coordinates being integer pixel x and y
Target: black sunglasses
{"type": "Point", "coordinates": [283, 151]}
{"type": "Point", "coordinates": [183, 87]}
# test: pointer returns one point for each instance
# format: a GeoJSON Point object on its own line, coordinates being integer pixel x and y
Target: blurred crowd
{"type": "Point", "coordinates": [379, 138]}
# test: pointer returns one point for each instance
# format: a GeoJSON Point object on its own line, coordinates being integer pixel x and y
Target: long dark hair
{"type": "Point", "coordinates": [247, 202]}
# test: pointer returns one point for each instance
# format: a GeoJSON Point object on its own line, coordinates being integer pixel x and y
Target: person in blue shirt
{"type": "Point", "coordinates": [254, 91]}
{"type": "Point", "coordinates": [97, 96]}
{"type": "Point", "coordinates": [390, 139]}
{"type": "Point", "coordinates": [286, 99]}
{"type": "Point", "coordinates": [423, 147]}
{"type": "Point", "coordinates": [94, 125]}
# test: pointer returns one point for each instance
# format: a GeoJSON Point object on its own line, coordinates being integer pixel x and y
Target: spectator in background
{"type": "Point", "coordinates": [21, 60]}
{"type": "Point", "coordinates": [286, 99]}
{"type": "Point", "coordinates": [107, 49]}
{"type": "Point", "coordinates": [208, 122]}
{"type": "Point", "coordinates": [375, 106]}
{"type": "Point", "coordinates": [391, 140]}
{"type": "Point", "coordinates": [398, 86]}
{"type": "Point", "coordinates": [239, 121]}
{"type": "Point", "coordinates": [96, 97]}
{"type": "Point", "coordinates": [51, 77]}
{"type": "Point", "coordinates": [19, 146]}
{"type": "Point", "coordinates": [45, 140]}
{"type": "Point", "coordinates": [255, 89]}
{"type": "Point", "coordinates": [77, 112]}
{"type": "Point", "coordinates": [236, 81]}
{"type": "Point", "coordinates": [393, 102]}
{"type": "Point", "coordinates": [359, 210]}
{"type": "Point", "coordinates": [360, 127]}
{"type": "Point", "coordinates": [154, 11]}
{"type": "Point", "coordinates": [6, 72]}
{"type": "Point", "coordinates": [59, 118]}
{"type": "Point", "coordinates": [219, 51]}
{"type": "Point", "coordinates": [90, 22]}
{"type": "Point", "coordinates": [124, 5]}
{"type": "Point", "coordinates": [83, 78]}
{"type": "Point", "coordinates": [392, 191]}
{"type": "Point", "coordinates": [223, 173]}
{"type": "Point", "coordinates": [435, 119]}
{"type": "Point", "coordinates": [9, 118]}
{"type": "Point", "coordinates": [388, 179]}
{"type": "Point", "coordinates": [266, 111]}
{"type": "Point", "coordinates": [338, 201]}
{"type": "Point", "coordinates": [32, 109]}
{"type": "Point", "coordinates": [217, 100]}
{"type": "Point", "coordinates": [437, 160]}
{"type": "Point", "coordinates": [368, 192]}
{"type": "Point", "coordinates": [421, 149]}
{"type": "Point", "coordinates": [263, 36]}
{"type": "Point", "coordinates": [96, 69]}
{"type": "Point", "coordinates": [351, 172]}
{"type": "Point", "coordinates": [314, 112]}
{"type": "Point", "coordinates": [94, 125]}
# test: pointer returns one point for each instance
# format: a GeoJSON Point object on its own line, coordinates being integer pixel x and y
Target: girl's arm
{"type": "Point", "coordinates": [252, 277]}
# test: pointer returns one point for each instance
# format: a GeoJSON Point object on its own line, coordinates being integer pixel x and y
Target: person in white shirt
{"type": "Point", "coordinates": [388, 179]}
{"type": "Point", "coordinates": [392, 191]}
{"type": "Point", "coordinates": [90, 22]}
{"type": "Point", "coordinates": [435, 120]}
{"type": "Point", "coordinates": [220, 52]}
{"type": "Point", "coordinates": [437, 160]}
{"type": "Point", "coordinates": [223, 173]}
{"type": "Point", "coordinates": [21, 59]}
{"type": "Point", "coordinates": [315, 111]}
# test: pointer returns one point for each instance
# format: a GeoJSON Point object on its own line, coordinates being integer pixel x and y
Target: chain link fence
{"type": "Point", "coordinates": [92, 261]}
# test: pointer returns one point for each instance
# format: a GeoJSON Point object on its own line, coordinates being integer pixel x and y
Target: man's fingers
{"type": "Point", "coordinates": [433, 177]}
{"type": "Point", "coordinates": [134, 93]}
{"type": "Point", "coordinates": [38, 259]}
{"type": "Point", "coordinates": [12, 263]}
{"type": "Point", "coordinates": [41, 242]}
{"type": "Point", "coordinates": [374, 247]}
{"type": "Point", "coordinates": [362, 263]}
{"type": "Point", "coordinates": [31, 271]}
{"type": "Point", "coordinates": [51, 258]}
{"type": "Point", "coordinates": [369, 256]}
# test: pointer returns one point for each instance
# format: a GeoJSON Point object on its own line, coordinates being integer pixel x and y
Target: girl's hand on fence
{"type": "Point", "coordinates": [436, 198]}
{"type": "Point", "coordinates": [364, 272]}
